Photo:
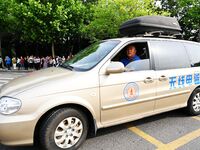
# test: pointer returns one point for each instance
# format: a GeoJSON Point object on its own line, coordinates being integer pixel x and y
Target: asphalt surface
{"type": "Point", "coordinates": [170, 130]}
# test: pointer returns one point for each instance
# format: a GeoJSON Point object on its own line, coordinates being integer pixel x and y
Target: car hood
{"type": "Point", "coordinates": [32, 80]}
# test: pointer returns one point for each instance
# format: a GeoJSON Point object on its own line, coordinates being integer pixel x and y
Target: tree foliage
{"type": "Point", "coordinates": [66, 22]}
{"type": "Point", "coordinates": [6, 15]}
{"type": "Point", "coordinates": [46, 21]}
{"type": "Point", "coordinates": [49, 21]}
{"type": "Point", "coordinates": [187, 12]}
{"type": "Point", "coordinates": [108, 15]}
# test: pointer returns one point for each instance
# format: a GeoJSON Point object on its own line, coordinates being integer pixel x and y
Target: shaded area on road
{"type": "Point", "coordinates": [18, 148]}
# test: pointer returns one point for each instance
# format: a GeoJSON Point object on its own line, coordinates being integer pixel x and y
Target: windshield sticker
{"type": "Point", "coordinates": [131, 91]}
{"type": "Point", "coordinates": [184, 80]}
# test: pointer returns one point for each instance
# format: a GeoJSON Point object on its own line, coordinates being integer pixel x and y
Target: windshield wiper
{"type": "Point", "coordinates": [67, 67]}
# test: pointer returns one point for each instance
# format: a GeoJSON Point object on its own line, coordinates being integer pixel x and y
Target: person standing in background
{"type": "Point", "coordinates": [42, 62]}
{"type": "Point", "coordinates": [50, 62]}
{"type": "Point", "coordinates": [37, 63]}
{"type": "Point", "coordinates": [18, 63]}
{"type": "Point", "coordinates": [22, 62]}
{"type": "Point", "coordinates": [31, 61]}
{"type": "Point", "coordinates": [59, 61]}
{"type": "Point", "coordinates": [54, 62]}
{"type": "Point", "coordinates": [14, 62]}
{"type": "Point", "coordinates": [63, 59]}
{"type": "Point", "coordinates": [8, 62]}
{"type": "Point", "coordinates": [1, 62]}
{"type": "Point", "coordinates": [26, 63]}
{"type": "Point", "coordinates": [45, 65]}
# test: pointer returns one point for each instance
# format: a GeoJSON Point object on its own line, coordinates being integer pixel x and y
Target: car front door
{"type": "Point", "coordinates": [126, 96]}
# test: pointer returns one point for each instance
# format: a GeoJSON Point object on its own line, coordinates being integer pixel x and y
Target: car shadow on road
{"type": "Point", "coordinates": [179, 113]}
{"type": "Point", "coordinates": [18, 148]}
{"type": "Point", "coordinates": [102, 132]}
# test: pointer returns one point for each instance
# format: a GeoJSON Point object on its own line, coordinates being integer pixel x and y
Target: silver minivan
{"type": "Point", "coordinates": [59, 107]}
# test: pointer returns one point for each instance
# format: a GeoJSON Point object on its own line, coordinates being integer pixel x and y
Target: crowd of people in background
{"type": "Point", "coordinates": [32, 62]}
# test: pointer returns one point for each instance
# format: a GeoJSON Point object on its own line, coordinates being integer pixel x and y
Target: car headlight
{"type": "Point", "coordinates": [9, 105]}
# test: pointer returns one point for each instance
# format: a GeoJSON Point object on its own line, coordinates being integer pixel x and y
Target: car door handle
{"type": "Point", "coordinates": [148, 80]}
{"type": "Point", "coordinates": [163, 78]}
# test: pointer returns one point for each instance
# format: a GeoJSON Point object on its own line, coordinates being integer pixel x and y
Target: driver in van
{"type": "Point", "coordinates": [130, 55]}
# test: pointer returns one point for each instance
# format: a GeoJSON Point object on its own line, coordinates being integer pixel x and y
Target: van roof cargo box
{"type": "Point", "coordinates": [148, 24]}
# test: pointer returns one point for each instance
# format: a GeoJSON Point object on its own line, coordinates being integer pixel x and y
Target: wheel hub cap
{"type": "Point", "coordinates": [196, 102]}
{"type": "Point", "coordinates": [68, 132]}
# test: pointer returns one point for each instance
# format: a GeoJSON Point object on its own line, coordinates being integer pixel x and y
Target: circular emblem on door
{"type": "Point", "coordinates": [131, 91]}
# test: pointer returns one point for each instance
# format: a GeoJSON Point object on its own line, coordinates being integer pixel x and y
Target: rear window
{"type": "Point", "coordinates": [193, 50]}
{"type": "Point", "coordinates": [169, 55]}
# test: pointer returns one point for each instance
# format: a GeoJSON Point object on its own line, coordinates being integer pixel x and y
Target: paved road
{"type": "Point", "coordinates": [5, 77]}
{"type": "Point", "coordinates": [167, 131]}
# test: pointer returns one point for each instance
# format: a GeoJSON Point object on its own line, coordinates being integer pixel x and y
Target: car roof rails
{"type": "Point", "coordinates": [159, 34]}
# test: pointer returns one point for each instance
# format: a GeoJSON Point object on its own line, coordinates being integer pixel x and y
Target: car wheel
{"type": "Point", "coordinates": [193, 106]}
{"type": "Point", "coordinates": [65, 128]}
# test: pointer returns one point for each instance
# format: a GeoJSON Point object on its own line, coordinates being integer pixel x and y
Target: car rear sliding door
{"type": "Point", "coordinates": [174, 75]}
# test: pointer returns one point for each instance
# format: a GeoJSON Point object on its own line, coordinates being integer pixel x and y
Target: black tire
{"type": "Point", "coordinates": [191, 103]}
{"type": "Point", "coordinates": [49, 126]}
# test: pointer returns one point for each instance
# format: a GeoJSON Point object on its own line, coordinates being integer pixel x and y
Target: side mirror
{"type": "Point", "coordinates": [115, 67]}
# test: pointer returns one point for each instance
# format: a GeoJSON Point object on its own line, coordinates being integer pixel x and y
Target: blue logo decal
{"type": "Point", "coordinates": [172, 81]}
{"type": "Point", "coordinates": [184, 80]}
{"type": "Point", "coordinates": [196, 78]}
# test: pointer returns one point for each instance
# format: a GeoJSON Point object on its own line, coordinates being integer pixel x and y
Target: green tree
{"type": "Point", "coordinates": [7, 19]}
{"type": "Point", "coordinates": [191, 18]}
{"type": "Point", "coordinates": [187, 12]}
{"type": "Point", "coordinates": [49, 22]}
{"type": "Point", "coordinates": [108, 15]}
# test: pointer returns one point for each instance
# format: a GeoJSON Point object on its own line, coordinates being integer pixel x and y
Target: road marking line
{"type": "Point", "coordinates": [149, 138]}
{"type": "Point", "coordinates": [196, 117]}
{"type": "Point", "coordinates": [184, 139]}
{"type": "Point", "coordinates": [172, 145]}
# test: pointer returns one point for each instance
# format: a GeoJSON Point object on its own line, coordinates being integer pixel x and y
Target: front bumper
{"type": "Point", "coordinates": [17, 130]}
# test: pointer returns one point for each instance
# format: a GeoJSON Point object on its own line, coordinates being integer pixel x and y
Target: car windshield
{"type": "Point", "coordinates": [90, 56]}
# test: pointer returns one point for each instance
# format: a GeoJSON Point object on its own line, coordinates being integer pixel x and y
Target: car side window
{"type": "Point", "coordinates": [138, 65]}
{"type": "Point", "coordinates": [169, 55]}
{"type": "Point", "coordinates": [193, 50]}
{"type": "Point", "coordinates": [138, 62]}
